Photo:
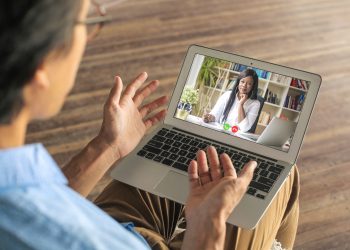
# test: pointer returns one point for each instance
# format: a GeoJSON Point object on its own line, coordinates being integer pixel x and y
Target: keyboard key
{"type": "Point", "coordinates": [170, 135]}
{"type": "Point", "coordinates": [152, 149]}
{"type": "Point", "coordinates": [265, 181]}
{"type": "Point", "coordinates": [182, 159]}
{"type": "Point", "coordinates": [191, 155]}
{"type": "Point", "coordinates": [251, 191]}
{"type": "Point", "coordinates": [183, 152]}
{"type": "Point", "coordinates": [186, 140]}
{"type": "Point", "coordinates": [154, 143]}
{"type": "Point", "coordinates": [168, 141]}
{"type": "Point", "coordinates": [150, 155]}
{"type": "Point", "coordinates": [166, 147]}
{"type": "Point", "coordinates": [158, 158]}
{"type": "Point", "coordinates": [177, 144]}
{"type": "Point", "coordinates": [142, 153]}
{"type": "Point", "coordinates": [185, 146]}
{"type": "Point", "coordinates": [230, 153]}
{"type": "Point", "coordinates": [194, 143]}
{"type": "Point", "coordinates": [245, 159]}
{"type": "Point", "coordinates": [279, 166]}
{"type": "Point", "coordinates": [174, 150]}
{"type": "Point", "coordinates": [159, 138]}
{"type": "Point", "coordinates": [165, 154]}
{"type": "Point", "coordinates": [173, 157]}
{"type": "Point", "coordinates": [224, 148]}
{"type": "Point", "coordinates": [162, 132]}
{"type": "Point", "coordinates": [219, 151]}
{"type": "Point", "coordinates": [181, 166]}
{"type": "Point", "coordinates": [264, 173]}
{"type": "Point", "coordinates": [259, 161]}
{"type": "Point", "coordinates": [238, 164]}
{"type": "Point", "coordinates": [257, 171]}
{"type": "Point", "coordinates": [275, 170]}
{"type": "Point", "coordinates": [233, 152]}
{"type": "Point", "coordinates": [178, 138]}
{"type": "Point", "coordinates": [236, 157]}
{"type": "Point", "coordinates": [273, 176]}
{"type": "Point", "coordinates": [259, 186]}
{"type": "Point", "coordinates": [260, 196]}
{"type": "Point", "coordinates": [263, 166]}
{"type": "Point", "coordinates": [167, 162]}
{"type": "Point", "coordinates": [193, 150]}
{"type": "Point", "coordinates": [202, 145]}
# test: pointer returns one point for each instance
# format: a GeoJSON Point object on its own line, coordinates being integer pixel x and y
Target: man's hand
{"type": "Point", "coordinates": [124, 124]}
{"type": "Point", "coordinates": [214, 193]}
{"type": "Point", "coordinates": [124, 120]}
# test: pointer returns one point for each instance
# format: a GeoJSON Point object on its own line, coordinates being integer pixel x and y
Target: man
{"type": "Point", "coordinates": [41, 45]}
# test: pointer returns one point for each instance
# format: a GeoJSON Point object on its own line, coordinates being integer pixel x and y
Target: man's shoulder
{"type": "Point", "coordinates": [62, 216]}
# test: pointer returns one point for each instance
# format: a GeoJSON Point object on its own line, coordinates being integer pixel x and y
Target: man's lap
{"type": "Point", "coordinates": [156, 218]}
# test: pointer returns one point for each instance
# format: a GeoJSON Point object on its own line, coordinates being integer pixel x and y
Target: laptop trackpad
{"type": "Point", "coordinates": [174, 186]}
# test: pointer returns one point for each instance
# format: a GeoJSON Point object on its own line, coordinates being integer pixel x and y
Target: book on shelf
{"type": "Point", "coordinates": [261, 73]}
{"type": "Point", "coordinates": [239, 67]}
{"type": "Point", "coordinates": [294, 102]}
{"type": "Point", "coordinates": [285, 80]}
{"type": "Point", "coordinates": [300, 84]}
{"type": "Point", "coordinates": [271, 97]}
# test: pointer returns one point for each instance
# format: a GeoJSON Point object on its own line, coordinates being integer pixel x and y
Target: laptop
{"type": "Point", "coordinates": [159, 163]}
{"type": "Point", "coordinates": [276, 134]}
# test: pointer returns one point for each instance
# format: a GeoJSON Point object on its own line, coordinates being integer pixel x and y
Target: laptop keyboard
{"type": "Point", "coordinates": [177, 149]}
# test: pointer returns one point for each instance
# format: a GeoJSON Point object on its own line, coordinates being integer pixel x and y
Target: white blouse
{"type": "Point", "coordinates": [250, 107]}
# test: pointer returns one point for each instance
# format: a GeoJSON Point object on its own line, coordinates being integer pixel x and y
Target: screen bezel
{"type": "Point", "coordinates": [292, 154]}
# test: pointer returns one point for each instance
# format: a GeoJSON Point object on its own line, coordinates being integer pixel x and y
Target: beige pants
{"type": "Point", "coordinates": [156, 218]}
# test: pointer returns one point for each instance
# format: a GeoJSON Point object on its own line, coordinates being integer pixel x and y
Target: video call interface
{"type": "Point", "coordinates": [245, 102]}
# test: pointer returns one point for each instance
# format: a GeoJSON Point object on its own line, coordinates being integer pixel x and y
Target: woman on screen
{"type": "Point", "coordinates": [239, 106]}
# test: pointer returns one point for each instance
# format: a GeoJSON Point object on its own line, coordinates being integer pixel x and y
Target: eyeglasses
{"type": "Point", "coordinates": [97, 18]}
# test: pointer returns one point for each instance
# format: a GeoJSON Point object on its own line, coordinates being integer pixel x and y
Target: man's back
{"type": "Point", "coordinates": [39, 211]}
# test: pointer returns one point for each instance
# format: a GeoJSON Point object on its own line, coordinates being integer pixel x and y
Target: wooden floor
{"type": "Point", "coordinates": [153, 35]}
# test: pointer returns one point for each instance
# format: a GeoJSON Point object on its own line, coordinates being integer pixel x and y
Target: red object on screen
{"type": "Point", "coordinates": [234, 129]}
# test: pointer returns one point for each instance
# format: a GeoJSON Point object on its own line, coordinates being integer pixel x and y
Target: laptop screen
{"type": "Point", "coordinates": [246, 102]}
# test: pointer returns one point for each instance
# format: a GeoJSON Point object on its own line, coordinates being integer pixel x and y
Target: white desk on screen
{"type": "Point", "coordinates": [219, 127]}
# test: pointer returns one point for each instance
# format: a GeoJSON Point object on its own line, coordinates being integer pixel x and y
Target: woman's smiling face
{"type": "Point", "coordinates": [245, 85]}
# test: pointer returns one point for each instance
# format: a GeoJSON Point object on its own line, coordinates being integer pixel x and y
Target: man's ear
{"type": "Point", "coordinates": [40, 78]}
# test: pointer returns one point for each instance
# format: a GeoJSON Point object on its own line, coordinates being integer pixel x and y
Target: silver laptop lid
{"type": "Point", "coordinates": [208, 77]}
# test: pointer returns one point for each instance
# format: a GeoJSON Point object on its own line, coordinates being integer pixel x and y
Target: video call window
{"type": "Point", "coordinates": [247, 102]}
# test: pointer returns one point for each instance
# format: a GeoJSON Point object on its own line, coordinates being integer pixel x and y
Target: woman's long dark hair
{"type": "Point", "coordinates": [253, 94]}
